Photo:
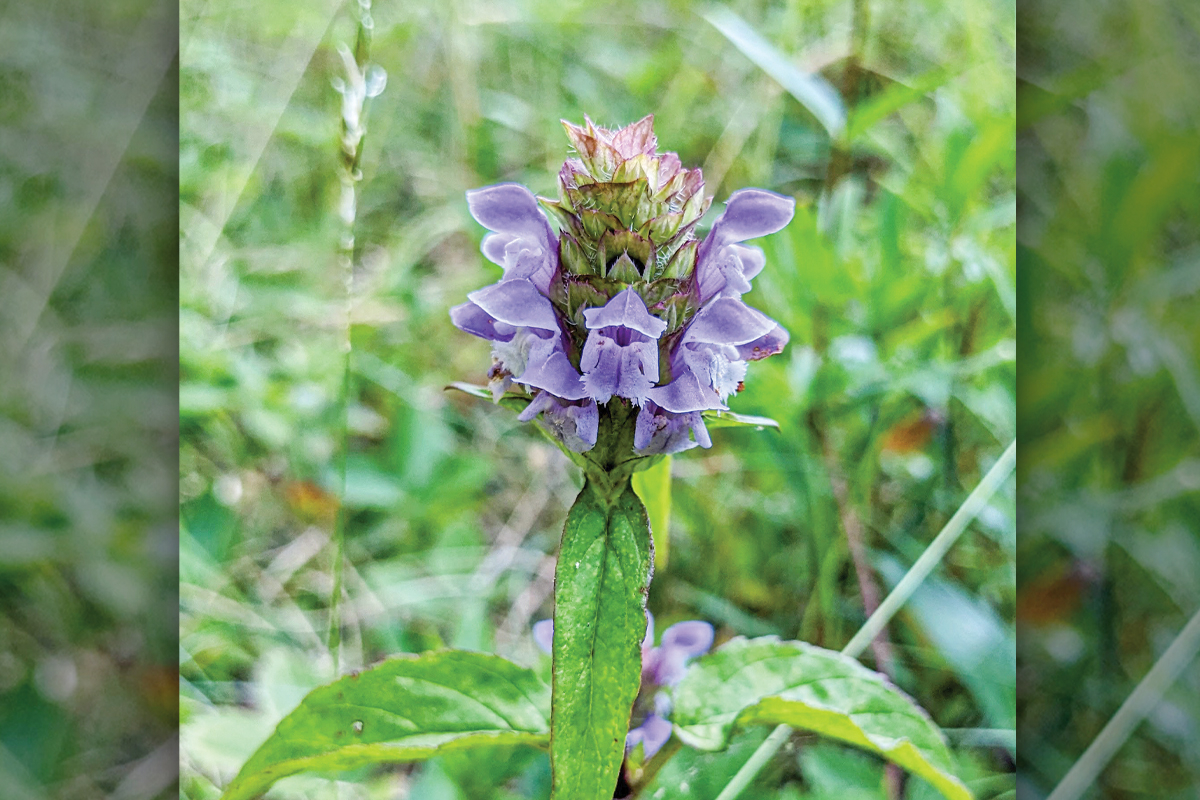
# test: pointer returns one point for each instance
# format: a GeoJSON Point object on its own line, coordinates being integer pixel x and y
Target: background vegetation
{"type": "Point", "coordinates": [896, 280]}
{"type": "Point", "coordinates": [1110, 392]}
{"type": "Point", "coordinates": [88, 148]}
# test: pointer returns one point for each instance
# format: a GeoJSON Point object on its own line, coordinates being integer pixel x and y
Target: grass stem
{"type": "Point", "coordinates": [1137, 706]}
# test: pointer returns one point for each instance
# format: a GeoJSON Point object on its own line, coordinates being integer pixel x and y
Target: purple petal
{"type": "Point", "coordinates": [511, 208]}
{"type": "Point", "coordinates": [716, 366]}
{"type": "Point", "coordinates": [530, 263]}
{"type": "Point", "coordinates": [543, 635]}
{"type": "Point", "coordinates": [749, 214]}
{"type": "Point", "coordinates": [474, 320]}
{"type": "Point", "coordinates": [655, 733]}
{"type": "Point", "coordinates": [573, 424]}
{"type": "Point", "coordinates": [494, 245]}
{"type": "Point", "coordinates": [727, 320]}
{"type": "Point", "coordinates": [727, 272]}
{"type": "Point", "coordinates": [648, 639]}
{"type": "Point", "coordinates": [767, 345]}
{"type": "Point", "coordinates": [627, 310]}
{"type": "Point", "coordinates": [540, 403]}
{"type": "Point", "coordinates": [753, 259]}
{"type": "Point", "coordinates": [670, 667]}
{"type": "Point", "coordinates": [685, 394]}
{"type": "Point", "coordinates": [693, 638]}
{"type": "Point", "coordinates": [518, 303]}
{"type": "Point", "coordinates": [722, 265]}
{"type": "Point", "coordinates": [576, 426]}
{"type": "Point", "coordinates": [612, 369]}
{"type": "Point", "coordinates": [661, 432]}
{"type": "Point", "coordinates": [549, 369]}
{"type": "Point", "coordinates": [722, 273]}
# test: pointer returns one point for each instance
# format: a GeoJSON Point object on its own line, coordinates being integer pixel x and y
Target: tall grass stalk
{"type": "Point", "coordinates": [1137, 706]}
{"type": "Point", "coordinates": [893, 602]}
{"type": "Point", "coordinates": [362, 81]}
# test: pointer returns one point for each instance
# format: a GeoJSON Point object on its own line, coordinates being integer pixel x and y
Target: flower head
{"type": "Point", "coordinates": [623, 303]}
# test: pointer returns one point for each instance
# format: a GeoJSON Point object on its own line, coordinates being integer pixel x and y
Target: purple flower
{"type": "Point", "coordinates": [522, 240]}
{"type": "Point", "coordinates": [662, 667]}
{"type": "Point", "coordinates": [620, 356]}
{"type": "Point", "coordinates": [660, 431]}
{"type": "Point", "coordinates": [653, 733]}
{"type": "Point", "coordinates": [724, 266]}
{"type": "Point", "coordinates": [665, 664]}
{"type": "Point", "coordinates": [575, 424]}
{"type": "Point", "coordinates": [623, 302]}
{"type": "Point", "coordinates": [524, 328]}
{"type": "Point", "coordinates": [709, 361]}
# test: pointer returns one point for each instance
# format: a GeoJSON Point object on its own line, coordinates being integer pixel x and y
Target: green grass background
{"type": "Point", "coordinates": [897, 392]}
{"type": "Point", "coordinates": [88, 376]}
{"type": "Point", "coordinates": [1109, 395]}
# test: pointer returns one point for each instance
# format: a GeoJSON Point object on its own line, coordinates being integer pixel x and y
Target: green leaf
{"type": "Point", "coordinates": [653, 486]}
{"type": "Point", "coordinates": [773, 682]}
{"type": "Point", "coordinates": [991, 144]}
{"type": "Point", "coordinates": [728, 419]}
{"type": "Point", "coordinates": [604, 568]}
{"type": "Point", "coordinates": [511, 400]}
{"type": "Point", "coordinates": [404, 709]}
{"type": "Point", "coordinates": [889, 101]}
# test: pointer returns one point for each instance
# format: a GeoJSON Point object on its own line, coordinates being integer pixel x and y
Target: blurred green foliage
{"type": "Point", "coordinates": [87, 401]}
{"type": "Point", "coordinates": [896, 280]}
{"type": "Point", "coordinates": [1110, 392]}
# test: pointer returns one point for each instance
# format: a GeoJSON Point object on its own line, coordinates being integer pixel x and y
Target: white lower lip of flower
{"type": "Point", "coordinates": [514, 354]}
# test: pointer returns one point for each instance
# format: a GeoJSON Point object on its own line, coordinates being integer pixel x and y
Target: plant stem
{"type": "Point", "coordinates": [881, 646]}
{"type": "Point", "coordinates": [646, 775]}
{"type": "Point", "coordinates": [856, 541]}
{"type": "Point", "coordinates": [353, 104]}
{"type": "Point", "coordinates": [936, 550]}
{"type": "Point", "coordinates": [1141, 702]}
{"type": "Point", "coordinates": [892, 603]}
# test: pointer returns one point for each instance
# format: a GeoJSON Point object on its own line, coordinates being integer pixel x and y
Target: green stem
{"type": "Point", "coordinates": [646, 775]}
{"type": "Point", "coordinates": [610, 464]}
{"type": "Point", "coordinates": [1140, 703]}
{"type": "Point", "coordinates": [351, 156]}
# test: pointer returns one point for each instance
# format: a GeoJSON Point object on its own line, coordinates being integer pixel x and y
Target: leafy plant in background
{"type": "Point", "coordinates": [622, 330]}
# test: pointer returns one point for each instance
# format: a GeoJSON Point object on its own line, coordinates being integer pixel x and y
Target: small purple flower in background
{"type": "Point", "coordinates": [624, 303]}
{"type": "Point", "coordinates": [662, 667]}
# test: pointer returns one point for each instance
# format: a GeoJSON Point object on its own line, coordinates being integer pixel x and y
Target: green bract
{"type": "Point", "coordinates": [627, 215]}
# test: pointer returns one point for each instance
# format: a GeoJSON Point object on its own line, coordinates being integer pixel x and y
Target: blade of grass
{"type": "Point", "coordinates": [813, 91]}
{"type": "Point", "coordinates": [892, 603]}
{"type": "Point", "coordinates": [1137, 706]}
{"type": "Point", "coordinates": [983, 737]}
{"type": "Point", "coordinates": [936, 550]}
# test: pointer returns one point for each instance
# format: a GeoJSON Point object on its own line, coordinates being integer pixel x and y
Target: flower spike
{"type": "Point", "coordinates": [623, 303]}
